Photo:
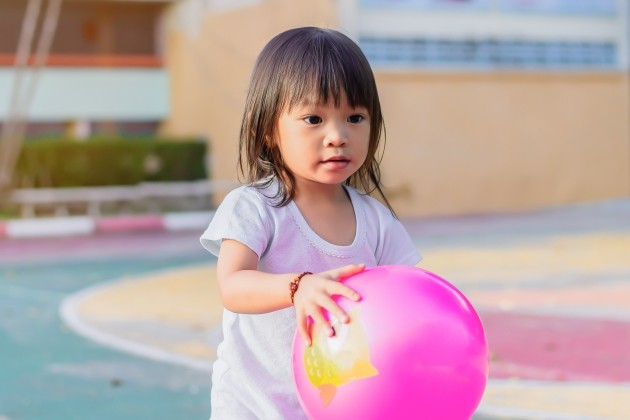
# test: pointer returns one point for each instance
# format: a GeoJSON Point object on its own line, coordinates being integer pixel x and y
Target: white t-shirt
{"type": "Point", "coordinates": [252, 376]}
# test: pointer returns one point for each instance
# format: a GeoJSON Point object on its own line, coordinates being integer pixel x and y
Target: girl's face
{"type": "Point", "coordinates": [323, 143]}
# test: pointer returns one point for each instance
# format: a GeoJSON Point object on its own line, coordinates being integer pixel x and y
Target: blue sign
{"type": "Point", "coordinates": [560, 7]}
{"type": "Point", "coordinates": [430, 4]}
{"type": "Point", "coordinates": [563, 7]}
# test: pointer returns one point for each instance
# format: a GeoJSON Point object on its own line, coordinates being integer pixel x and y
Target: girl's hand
{"type": "Point", "coordinates": [315, 292]}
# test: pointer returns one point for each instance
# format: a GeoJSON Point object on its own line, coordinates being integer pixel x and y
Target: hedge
{"type": "Point", "coordinates": [64, 162]}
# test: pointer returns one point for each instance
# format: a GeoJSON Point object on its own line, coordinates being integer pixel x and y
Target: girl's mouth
{"type": "Point", "coordinates": [337, 162]}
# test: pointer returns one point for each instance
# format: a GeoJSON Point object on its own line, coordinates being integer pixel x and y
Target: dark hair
{"type": "Point", "coordinates": [306, 64]}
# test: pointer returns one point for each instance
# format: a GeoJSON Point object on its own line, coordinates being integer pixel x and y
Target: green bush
{"type": "Point", "coordinates": [109, 161]}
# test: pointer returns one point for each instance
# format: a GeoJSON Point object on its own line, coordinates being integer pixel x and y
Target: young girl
{"type": "Point", "coordinates": [309, 136]}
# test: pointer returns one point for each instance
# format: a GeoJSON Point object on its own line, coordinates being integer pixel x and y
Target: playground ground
{"type": "Point", "coordinates": [125, 325]}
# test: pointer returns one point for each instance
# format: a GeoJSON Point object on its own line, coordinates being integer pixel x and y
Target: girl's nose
{"type": "Point", "coordinates": [336, 137]}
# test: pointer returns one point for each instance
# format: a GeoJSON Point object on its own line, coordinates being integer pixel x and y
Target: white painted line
{"type": "Point", "coordinates": [70, 315]}
{"type": "Point", "coordinates": [578, 311]}
{"type": "Point", "coordinates": [187, 221]}
{"type": "Point", "coordinates": [512, 413]}
{"type": "Point", "coordinates": [84, 225]}
{"type": "Point", "coordinates": [50, 226]}
{"type": "Point", "coordinates": [524, 386]}
{"type": "Point", "coordinates": [538, 384]}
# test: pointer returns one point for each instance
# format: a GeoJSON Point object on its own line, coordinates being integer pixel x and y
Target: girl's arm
{"type": "Point", "coordinates": [244, 289]}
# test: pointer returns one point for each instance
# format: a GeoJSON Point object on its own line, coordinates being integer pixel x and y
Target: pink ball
{"type": "Point", "coordinates": [414, 349]}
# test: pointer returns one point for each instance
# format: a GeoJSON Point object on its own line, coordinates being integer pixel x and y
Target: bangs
{"type": "Point", "coordinates": [324, 71]}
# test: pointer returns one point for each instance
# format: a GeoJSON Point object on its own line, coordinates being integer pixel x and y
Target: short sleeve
{"type": "Point", "coordinates": [241, 216]}
{"type": "Point", "coordinates": [397, 248]}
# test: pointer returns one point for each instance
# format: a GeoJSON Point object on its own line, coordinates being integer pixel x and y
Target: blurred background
{"type": "Point", "coordinates": [536, 91]}
{"type": "Point", "coordinates": [507, 157]}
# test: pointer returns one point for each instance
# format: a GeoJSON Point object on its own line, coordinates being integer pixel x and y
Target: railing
{"type": "Point", "coordinates": [150, 196]}
{"type": "Point", "coordinates": [92, 60]}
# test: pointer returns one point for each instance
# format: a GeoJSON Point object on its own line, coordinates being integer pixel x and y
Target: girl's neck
{"type": "Point", "coordinates": [315, 192]}
{"type": "Point", "coordinates": [328, 210]}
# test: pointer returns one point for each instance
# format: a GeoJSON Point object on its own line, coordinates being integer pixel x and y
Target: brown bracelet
{"type": "Point", "coordinates": [293, 286]}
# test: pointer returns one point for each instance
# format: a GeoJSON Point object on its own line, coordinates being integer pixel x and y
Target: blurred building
{"type": "Point", "coordinates": [104, 72]}
{"type": "Point", "coordinates": [490, 105]}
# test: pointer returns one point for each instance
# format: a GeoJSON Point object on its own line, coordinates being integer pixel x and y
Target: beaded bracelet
{"type": "Point", "coordinates": [293, 286]}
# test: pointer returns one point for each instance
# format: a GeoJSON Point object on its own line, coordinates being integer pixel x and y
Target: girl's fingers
{"type": "Point", "coordinates": [341, 289]}
{"type": "Point", "coordinates": [302, 326]}
{"type": "Point", "coordinates": [332, 288]}
{"type": "Point", "coordinates": [320, 321]}
{"type": "Point", "coordinates": [349, 270]}
{"type": "Point", "coordinates": [335, 310]}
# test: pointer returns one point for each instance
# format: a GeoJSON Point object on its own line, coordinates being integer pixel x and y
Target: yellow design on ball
{"type": "Point", "coordinates": [334, 361]}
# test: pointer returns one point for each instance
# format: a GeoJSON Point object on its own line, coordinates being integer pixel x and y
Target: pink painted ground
{"type": "Point", "coordinates": [554, 348]}
{"type": "Point", "coordinates": [129, 223]}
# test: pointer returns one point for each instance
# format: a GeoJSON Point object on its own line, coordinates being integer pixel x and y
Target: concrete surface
{"type": "Point", "coordinates": [552, 288]}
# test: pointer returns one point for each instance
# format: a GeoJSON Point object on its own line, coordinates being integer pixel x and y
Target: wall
{"type": "Point", "coordinates": [478, 143]}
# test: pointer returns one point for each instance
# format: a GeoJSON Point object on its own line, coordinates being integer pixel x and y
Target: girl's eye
{"type": "Point", "coordinates": [313, 119]}
{"type": "Point", "coordinates": [355, 119]}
